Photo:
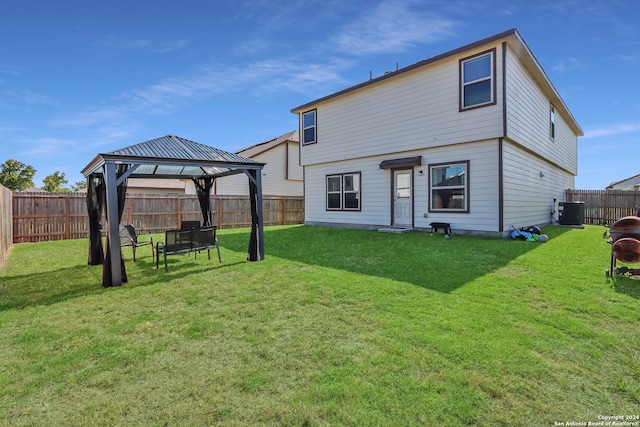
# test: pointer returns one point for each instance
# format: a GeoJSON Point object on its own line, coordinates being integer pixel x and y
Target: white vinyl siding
{"type": "Point", "coordinates": [374, 197]}
{"type": "Point", "coordinates": [530, 185]}
{"type": "Point", "coordinates": [415, 110]}
{"type": "Point", "coordinates": [376, 189]}
{"type": "Point", "coordinates": [274, 175]}
{"type": "Point", "coordinates": [294, 171]}
{"type": "Point", "coordinates": [528, 119]}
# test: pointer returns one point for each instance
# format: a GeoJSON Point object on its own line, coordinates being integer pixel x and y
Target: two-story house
{"type": "Point", "coordinates": [477, 137]}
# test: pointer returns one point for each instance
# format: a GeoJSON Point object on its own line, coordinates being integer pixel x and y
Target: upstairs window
{"type": "Point", "coordinates": [477, 80]}
{"type": "Point", "coordinates": [552, 122]}
{"type": "Point", "coordinates": [449, 186]}
{"type": "Point", "coordinates": [309, 127]}
{"type": "Point", "coordinates": [343, 192]}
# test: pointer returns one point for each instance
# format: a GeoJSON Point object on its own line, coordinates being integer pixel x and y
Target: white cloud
{"type": "Point", "coordinates": [170, 46]}
{"type": "Point", "coordinates": [626, 57]}
{"type": "Point", "coordinates": [106, 125]}
{"type": "Point", "coordinates": [10, 69]}
{"type": "Point", "coordinates": [126, 43]}
{"type": "Point", "coordinates": [392, 27]}
{"type": "Point", "coordinates": [39, 147]}
{"type": "Point", "coordinates": [259, 77]}
{"type": "Point", "coordinates": [38, 98]}
{"type": "Point", "coordinates": [25, 100]}
{"type": "Point", "coordinates": [615, 129]}
{"type": "Point", "coordinates": [87, 118]}
{"type": "Point", "coordinates": [570, 64]}
{"type": "Point", "coordinates": [123, 43]}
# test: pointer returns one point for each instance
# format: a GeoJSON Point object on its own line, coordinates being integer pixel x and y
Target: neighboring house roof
{"type": "Point", "coordinates": [169, 185]}
{"type": "Point", "coordinates": [521, 49]}
{"type": "Point", "coordinates": [261, 147]}
{"type": "Point", "coordinates": [454, 180]}
{"type": "Point", "coordinates": [34, 190]}
{"type": "Point", "coordinates": [634, 181]}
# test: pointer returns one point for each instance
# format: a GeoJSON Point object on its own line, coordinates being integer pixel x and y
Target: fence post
{"type": "Point", "coordinates": [179, 219]}
{"type": "Point", "coordinates": [67, 217]}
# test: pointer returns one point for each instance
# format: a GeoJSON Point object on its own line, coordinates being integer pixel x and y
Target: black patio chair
{"type": "Point", "coordinates": [128, 237]}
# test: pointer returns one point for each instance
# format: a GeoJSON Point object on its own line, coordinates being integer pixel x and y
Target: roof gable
{"type": "Point", "coordinates": [633, 181]}
{"type": "Point", "coordinates": [264, 146]}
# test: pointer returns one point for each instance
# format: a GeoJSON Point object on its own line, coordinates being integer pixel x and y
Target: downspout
{"type": "Point", "coordinates": [501, 141]}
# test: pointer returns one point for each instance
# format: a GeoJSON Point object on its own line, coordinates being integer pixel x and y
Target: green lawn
{"type": "Point", "coordinates": [334, 327]}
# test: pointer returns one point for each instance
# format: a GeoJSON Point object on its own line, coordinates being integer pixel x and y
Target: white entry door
{"type": "Point", "coordinates": [402, 198]}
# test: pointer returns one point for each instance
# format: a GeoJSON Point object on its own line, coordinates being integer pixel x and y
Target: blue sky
{"type": "Point", "coordinates": [78, 78]}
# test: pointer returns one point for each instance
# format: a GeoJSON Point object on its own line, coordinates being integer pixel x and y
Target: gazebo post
{"type": "Point", "coordinates": [256, 239]}
{"type": "Point", "coordinates": [111, 183]}
{"type": "Point", "coordinates": [260, 215]}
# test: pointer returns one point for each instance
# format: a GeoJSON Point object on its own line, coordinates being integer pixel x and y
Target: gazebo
{"type": "Point", "coordinates": [168, 157]}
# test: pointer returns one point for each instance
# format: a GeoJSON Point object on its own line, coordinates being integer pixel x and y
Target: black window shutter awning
{"type": "Point", "coordinates": [401, 163]}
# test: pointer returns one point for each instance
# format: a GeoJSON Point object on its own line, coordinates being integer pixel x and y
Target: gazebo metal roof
{"type": "Point", "coordinates": [174, 157]}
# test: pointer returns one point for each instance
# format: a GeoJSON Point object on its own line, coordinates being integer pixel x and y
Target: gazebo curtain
{"type": "Point", "coordinates": [95, 206]}
{"type": "Point", "coordinates": [107, 280]}
{"type": "Point", "coordinates": [203, 190]}
{"type": "Point", "coordinates": [256, 246]}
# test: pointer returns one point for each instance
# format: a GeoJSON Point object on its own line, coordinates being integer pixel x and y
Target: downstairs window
{"type": "Point", "coordinates": [449, 187]}
{"type": "Point", "coordinates": [343, 192]}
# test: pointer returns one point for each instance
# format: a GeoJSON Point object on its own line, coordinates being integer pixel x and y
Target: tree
{"type": "Point", "coordinates": [16, 176]}
{"type": "Point", "coordinates": [80, 185]}
{"type": "Point", "coordinates": [54, 182]}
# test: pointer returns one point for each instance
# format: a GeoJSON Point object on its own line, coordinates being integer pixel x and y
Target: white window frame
{"type": "Point", "coordinates": [357, 190]}
{"type": "Point", "coordinates": [491, 77]}
{"type": "Point", "coordinates": [552, 122]}
{"type": "Point", "coordinates": [464, 187]}
{"type": "Point", "coordinates": [313, 126]}
{"type": "Point", "coordinates": [334, 192]}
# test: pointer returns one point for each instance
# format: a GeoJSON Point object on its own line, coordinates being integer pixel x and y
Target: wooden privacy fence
{"type": "Point", "coordinates": [58, 216]}
{"type": "Point", "coordinates": [604, 207]}
{"type": "Point", "coordinates": [6, 223]}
